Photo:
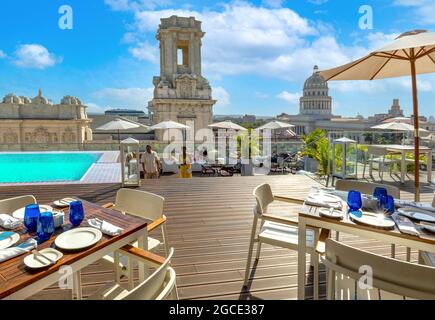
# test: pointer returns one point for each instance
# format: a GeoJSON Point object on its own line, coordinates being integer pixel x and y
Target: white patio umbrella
{"type": "Point", "coordinates": [276, 125]}
{"type": "Point", "coordinates": [120, 124]}
{"type": "Point", "coordinates": [397, 126]}
{"type": "Point", "coordinates": [167, 125]}
{"type": "Point", "coordinates": [410, 54]}
{"type": "Point", "coordinates": [228, 125]}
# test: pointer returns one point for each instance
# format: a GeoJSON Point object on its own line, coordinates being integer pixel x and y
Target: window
{"type": "Point", "coordinates": [179, 56]}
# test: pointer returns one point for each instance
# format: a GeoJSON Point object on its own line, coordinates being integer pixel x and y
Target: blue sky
{"type": "Point", "coordinates": [256, 54]}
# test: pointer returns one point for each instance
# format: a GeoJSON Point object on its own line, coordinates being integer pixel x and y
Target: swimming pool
{"type": "Point", "coordinates": [45, 167]}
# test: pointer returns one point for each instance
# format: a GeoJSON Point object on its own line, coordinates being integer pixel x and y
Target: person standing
{"type": "Point", "coordinates": [151, 163]}
{"type": "Point", "coordinates": [185, 165]}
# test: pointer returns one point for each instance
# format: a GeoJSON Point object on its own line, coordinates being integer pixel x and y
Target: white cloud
{"type": "Point", "coordinates": [35, 56]}
{"type": "Point", "coordinates": [94, 108]}
{"type": "Point", "coordinates": [273, 3]}
{"type": "Point", "coordinates": [145, 51]}
{"type": "Point", "coordinates": [291, 98]}
{"type": "Point", "coordinates": [222, 96]}
{"type": "Point", "coordinates": [2, 54]}
{"type": "Point", "coordinates": [136, 98]}
{"type": "Point", "coordinates": [424, 10]}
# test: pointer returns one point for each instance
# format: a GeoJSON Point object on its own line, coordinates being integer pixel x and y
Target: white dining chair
{"type": "Point", "coordinates": [158, 286]}
{"type": "Point", "coordinates": [144, 205]}
{"type": "Point", "coordinates": [353, 274]}
{"type": "Point", "coordinates": [369, 188]}
{"type": "Point", "coordinates": [278, 231]}
{"type": "Point", "coordinates": [378, 155]}
{"type": "Point", "coordinates": [11, 204]}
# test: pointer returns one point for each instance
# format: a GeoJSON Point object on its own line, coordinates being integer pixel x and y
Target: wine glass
{"type": "Point", "coordinates": [76, 213]}
{"type": "Point", "coordinates": [354, 202]}
{"type": "Point", "coordinates": [45, 226]}
{"type": "Point", "coordinates": [31, 215]}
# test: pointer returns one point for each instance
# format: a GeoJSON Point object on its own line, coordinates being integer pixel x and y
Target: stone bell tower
{"type": "Point", "coordinates": [181, 93]}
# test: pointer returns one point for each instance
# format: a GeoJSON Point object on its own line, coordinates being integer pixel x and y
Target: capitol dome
{"type": "Point", "coordinates": [316, 81]}
{"type": "Point", "coordinates": [316, 100]}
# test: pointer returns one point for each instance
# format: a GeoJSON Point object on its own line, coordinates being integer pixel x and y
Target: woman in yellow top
{"type": "Point", "coordinates": [185, 165]}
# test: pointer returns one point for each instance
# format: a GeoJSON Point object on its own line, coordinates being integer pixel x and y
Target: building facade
{"type": "Point", "coordinates": [39, 121]}
{"type": "Point", "coordinates": [315, 111]}
{"type": "Point", "coordinates": [181, 93]}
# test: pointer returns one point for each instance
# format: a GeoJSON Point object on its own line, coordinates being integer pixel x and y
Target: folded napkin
{"type": "Point", "coordinates": [9, 253]}
{"type": "Point", "coordinates": [105, 227]}
{"type": "Point", "coordinates": [409, 203]}
{"type": "Point", "coordinates": [9, 222]}
{"type": "Point", "coordinates": [318, 199]}
{"type": "Point", "coordinates": [405, 225]}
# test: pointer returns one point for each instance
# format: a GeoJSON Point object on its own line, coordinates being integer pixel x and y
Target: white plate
{"type": "Point", "coordinates": [373, 220]}
{"type": "Point", "coordinates": [324, 198]}
{"type": "Point", "coordinates": [428, 227]}
{"type": "Point", "coordinates": [19, 214]}
{"type": "Point", "coordinates": [417, 214]}
{"type": "Point", "coordinates": [79, 238]}
{"type": "Point", "coordinates": [334, 214]}
{"type": "Point", "coordinates": [8, 238]}
{"type": "Point", "coordinates": [37, 262]}
{"type": "Point", "coordinates": [63, 203]}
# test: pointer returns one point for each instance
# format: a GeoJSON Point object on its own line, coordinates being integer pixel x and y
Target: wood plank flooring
{"type": "Point", "coordinates": [209, 222]}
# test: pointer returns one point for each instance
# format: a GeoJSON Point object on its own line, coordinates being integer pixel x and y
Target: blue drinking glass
{"type": "Point", "coordinates": [379, 192]}
{"type": "Point", "coordinates": [76, 213]}
{"type": "Point", "coordinates": [31, 215]}
{"type": "Point", "coordinates": [45, 227]}
{"type": "Point", "coordinates": [354, 201]}
{"type": "Point", "coordinates": [387, 204]}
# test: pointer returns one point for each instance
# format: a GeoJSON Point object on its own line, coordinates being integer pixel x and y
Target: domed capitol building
{"type": "Point", "coordinates": [315, 111]}
{"type": "Point", "coordinates": [39, 121]}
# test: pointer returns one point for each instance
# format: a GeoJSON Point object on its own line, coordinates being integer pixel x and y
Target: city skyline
{"type": "Point", "coordinates": [111, 63]}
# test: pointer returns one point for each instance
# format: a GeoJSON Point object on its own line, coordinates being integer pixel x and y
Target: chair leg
{"type": "Point", "coordinates": [130, 273]}
{"type": "Point", "coordinates": [408, 254]}
{"type": "Point", "coordinates": [257, 255]}
{"type": "Point", "coordinates": [330, 285]}
{"type": "Point", "coordinates": [393, 251]}
{"type": "Point", "coordinates": [251, 248]}
{"type": "Point", "coordinates": [165, 240]}
{"type": "Point", "coordinates": [174, 292]}
{"type": "Point", "coordinates": [116, 267]}
{"type": "Point", "coordinates": [315, 259]}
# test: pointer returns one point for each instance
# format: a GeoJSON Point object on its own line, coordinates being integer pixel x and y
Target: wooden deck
{"type": "Point", "coordinates": [209, 221]}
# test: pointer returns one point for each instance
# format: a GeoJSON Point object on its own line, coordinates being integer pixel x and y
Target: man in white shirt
{"type": "Point", "coordinates": [151, 163]}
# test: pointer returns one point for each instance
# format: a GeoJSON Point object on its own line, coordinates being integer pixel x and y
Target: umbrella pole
{"type": "Point", "coordinates": [416, 129]}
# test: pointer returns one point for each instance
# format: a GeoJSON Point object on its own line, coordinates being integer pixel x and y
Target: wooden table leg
{"type": "Point", "coordinates": [77, 285]}
{"type": "Point", "coordinates": [302, 241]}
{"type": "Point", "coordinates": [143, 244]}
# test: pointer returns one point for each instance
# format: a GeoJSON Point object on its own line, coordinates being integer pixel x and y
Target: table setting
{"type": "Point", "coordinates": [35, 224]}
{"type": "Point", "coordinates": [379, 210]}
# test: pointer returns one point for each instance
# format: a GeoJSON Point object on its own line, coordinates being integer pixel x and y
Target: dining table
{"type": "Point", "coordinates": [309, 217]}
{"type": "Point", "coordinates": [18, 282]}
{"type": "Point", "coordinates": [403, 150]}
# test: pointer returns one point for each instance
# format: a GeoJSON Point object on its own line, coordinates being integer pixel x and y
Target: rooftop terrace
{"type": "Point", "coordinates": [209, 221]}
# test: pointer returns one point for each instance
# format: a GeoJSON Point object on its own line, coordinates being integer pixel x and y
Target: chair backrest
{"type": "Point", "coordinates": [377, 151]}
{"type": "Point", "coordinates": [157, 286]}
{"type": "Point", "coordinates": [396, 277]}
{"type": "Point", "coordinates": [139, 203]}
{"type": "Point", "coordinates": [366, 187]}
{"type": "Point", "coordinates": [264, 196]}
{"type": "Point", "coordinates": [10, 205]}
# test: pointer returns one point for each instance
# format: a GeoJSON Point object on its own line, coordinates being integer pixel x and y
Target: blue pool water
{"type": "Point", "coordinates": [45, 167]}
